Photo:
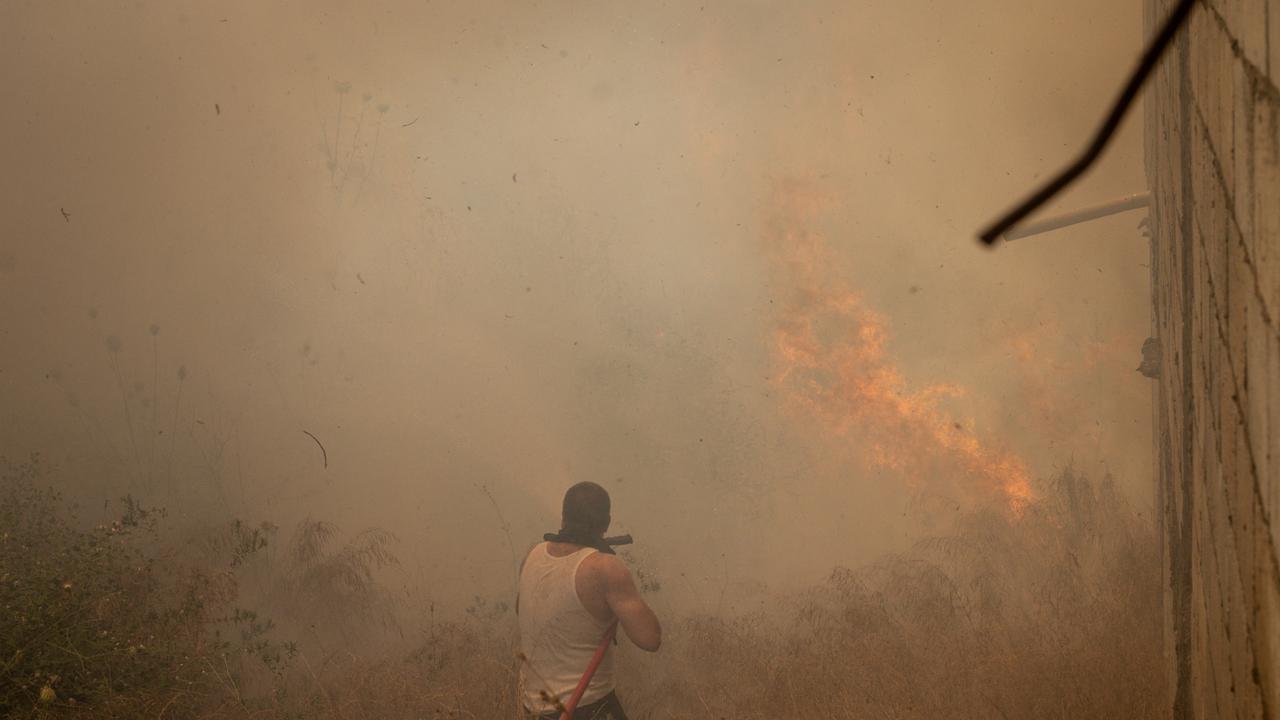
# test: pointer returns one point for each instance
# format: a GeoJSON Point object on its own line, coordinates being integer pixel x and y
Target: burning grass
{"type": "Point", "coordinates": [834, 368]}
{"type": "Point", "coordinates": [1054, 612]}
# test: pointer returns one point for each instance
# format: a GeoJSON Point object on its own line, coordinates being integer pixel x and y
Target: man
{"type": "Point", "coordinates": [572, 588]}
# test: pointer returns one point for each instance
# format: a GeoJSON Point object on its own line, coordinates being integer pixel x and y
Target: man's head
{"type": "Point", "coordinates": [586, 509]}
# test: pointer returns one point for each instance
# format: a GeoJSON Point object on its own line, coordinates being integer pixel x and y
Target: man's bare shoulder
{"type": "Point", "coordinates": [528, 554]}
{"type": "Point", "coordinates": [608, 568]}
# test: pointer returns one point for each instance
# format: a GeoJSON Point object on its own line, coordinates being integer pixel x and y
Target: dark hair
{"type": "Point", "coordinates": [586, 509]}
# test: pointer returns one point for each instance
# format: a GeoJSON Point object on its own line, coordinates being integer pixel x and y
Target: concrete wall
{"type": "Point", "coordinates": [1213, 163]}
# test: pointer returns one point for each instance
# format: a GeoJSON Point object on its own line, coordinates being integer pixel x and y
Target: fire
{"type": "Point", "coordinates": [834, 368]}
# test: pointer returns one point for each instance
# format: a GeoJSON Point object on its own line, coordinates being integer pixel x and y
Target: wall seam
{"type": "Point", "coordinates": [1257, 76]}
{"type": "Point", "coordinates": [1221, 177]}
{"type": "Point", "coordinates": [1239, 410]}
{"type": "Point", "coordinates": [1181, 575]}
{"type": "Point", "coordinates": [1242, 419]}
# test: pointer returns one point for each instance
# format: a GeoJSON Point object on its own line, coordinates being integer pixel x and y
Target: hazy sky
{"type": "Point", "coordinates": [483, 250]}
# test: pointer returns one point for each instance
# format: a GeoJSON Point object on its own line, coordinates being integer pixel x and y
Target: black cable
{"type": "Point", "coordinates": [1158, 46]}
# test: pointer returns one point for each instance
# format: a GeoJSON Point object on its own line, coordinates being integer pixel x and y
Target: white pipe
{"type": "Point", "coordinates": [1131, 202]}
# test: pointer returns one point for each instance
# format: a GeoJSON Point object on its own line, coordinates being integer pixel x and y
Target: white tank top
{"type": "Point", "coordinates": [557, 634]}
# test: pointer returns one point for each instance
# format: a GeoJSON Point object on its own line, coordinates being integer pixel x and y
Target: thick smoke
{"type": "Point", "coordinates": [420, 265]}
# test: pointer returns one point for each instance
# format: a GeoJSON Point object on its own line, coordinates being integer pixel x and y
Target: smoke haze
{"type": "Point", "coordinates": [422, 265]}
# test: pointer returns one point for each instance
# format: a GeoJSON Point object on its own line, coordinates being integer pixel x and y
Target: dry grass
{"type": "Point", "coordinates": [1055, 613]}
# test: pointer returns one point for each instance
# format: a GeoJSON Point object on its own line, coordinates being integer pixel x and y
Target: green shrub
{"type": "Point", "coordinates": [97, 618]}
{"type": "Point", "coordinates": [83, 621]}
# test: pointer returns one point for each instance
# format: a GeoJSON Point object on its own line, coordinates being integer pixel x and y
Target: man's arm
{"type": "Point", "coordinates": [637, 619]}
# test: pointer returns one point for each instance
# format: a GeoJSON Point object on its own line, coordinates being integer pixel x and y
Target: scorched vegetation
{"type": "Point", "coordinates": [1050, 611]}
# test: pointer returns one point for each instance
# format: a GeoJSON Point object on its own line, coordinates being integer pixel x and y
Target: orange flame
{"type": "Point", "coordinates": [834, 368]}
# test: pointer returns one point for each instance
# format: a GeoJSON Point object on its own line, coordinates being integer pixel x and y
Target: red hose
{"type": "Point", "coordinates": [592, 666]}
